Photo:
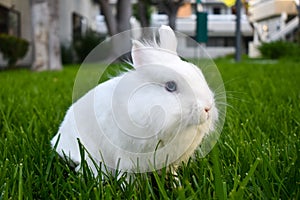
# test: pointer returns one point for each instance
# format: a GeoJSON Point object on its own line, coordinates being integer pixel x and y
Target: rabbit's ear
{"type": "Point", "coordinates": [137, 53]}
{"type": "Point", "coordinates": [142, 55]}
{"type": "Point", "coordinates": [137, 44]}
{"type": "Point", "coordinates": [167, 38]}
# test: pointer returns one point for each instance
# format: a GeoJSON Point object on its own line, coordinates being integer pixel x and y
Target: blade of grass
{"type": "Point", "coordinates": [160, 186]}
{"type": "Point", "coordinates": [273, 172]}
{"type": "Point", "coordinates": [217, 174]}
{"type": "Point", "coordinates": [239, 194]}
{"type": "Point", "coordinates": [20, 190]}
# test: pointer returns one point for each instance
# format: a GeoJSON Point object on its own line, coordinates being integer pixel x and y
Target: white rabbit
{"type": "Point", "coordinates": [155, 115]}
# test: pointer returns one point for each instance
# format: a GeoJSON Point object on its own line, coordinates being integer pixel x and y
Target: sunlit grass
{"type": "Point", "coordinates": [257, 156]}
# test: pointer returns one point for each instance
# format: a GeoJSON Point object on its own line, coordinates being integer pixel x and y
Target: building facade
{"type": "Point", "coordinates": [74, 18]}
{"type": "Point", "coordinates": [272, 20]}
{"type": "Point", "coordinates": [221, 27]}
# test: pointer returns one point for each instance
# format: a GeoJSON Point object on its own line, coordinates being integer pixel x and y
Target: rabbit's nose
{"type": "Point", "coordinates": [206, 109]}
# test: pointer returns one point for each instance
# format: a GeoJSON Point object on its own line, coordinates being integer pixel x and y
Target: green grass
{"type": "Point", "coordinates": [257, 156]}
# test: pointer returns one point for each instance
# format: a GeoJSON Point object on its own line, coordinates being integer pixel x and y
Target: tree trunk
{"type": "Point", "coordinates": [142, 12]}
{"type": "Point", "coordinates": [117, 24]}
{"type": "Point", "coordinates": [170, 7]}
{"type": "Point", "coordinates": [46, 44]}
{"type": "Point", "coordinates": [124, 12]}
{"type": "Point", "coordinates": [120, 22]}
{"type": "Point", "coordinates": [172, 20]}
{"type": "Point", "coordinates": [54, 41]}
{"type": "Point", "coordinates": [110, 20]}
{"type": "Point", "coordinates": [40, 34]}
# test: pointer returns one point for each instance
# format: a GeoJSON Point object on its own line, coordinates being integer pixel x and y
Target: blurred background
{"type": "Point", "coordinates": [257, 154]}
{"type": "Point", "coordinates": [42, 34]}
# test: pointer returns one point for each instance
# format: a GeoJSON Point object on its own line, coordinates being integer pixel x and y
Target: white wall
{"type": "Point", "coordinates": [85, 8]}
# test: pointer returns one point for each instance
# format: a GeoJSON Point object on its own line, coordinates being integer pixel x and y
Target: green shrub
{"type": "Point", "coordinates": [13, 48]}
{"type": "Point", "coordinates": [280, 49]}
{"type": "Point", "coordinates": [85, 44]}
{"type": "Point", "coordinates": [67, 54]}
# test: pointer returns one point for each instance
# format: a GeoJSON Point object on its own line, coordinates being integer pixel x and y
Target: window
{"type": "Point", "coordinates": [221, 41]}
{"type": "Point", "coordinates": [79, 25]}
{"type": "Point", "coordinates": [216, 10]}
{"type": "Point", "coordinates": [9, 21]}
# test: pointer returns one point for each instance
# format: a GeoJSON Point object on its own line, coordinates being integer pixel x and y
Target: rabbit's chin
{"type": "Point", "coordinates": [186, 146]}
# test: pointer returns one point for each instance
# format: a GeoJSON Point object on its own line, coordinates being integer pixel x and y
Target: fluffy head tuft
{"type": "Point", "coordinates": [195, 94]}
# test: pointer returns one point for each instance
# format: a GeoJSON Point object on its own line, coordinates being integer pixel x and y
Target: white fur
{"type": "Point", "coordinates": [173, 123]}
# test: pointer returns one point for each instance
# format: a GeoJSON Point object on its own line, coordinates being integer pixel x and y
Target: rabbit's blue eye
{"type": "Point", "coordinates": [171, 86]}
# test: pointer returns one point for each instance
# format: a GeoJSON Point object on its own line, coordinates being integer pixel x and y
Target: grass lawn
{"type": "Point", "coordinates": [257, 156]}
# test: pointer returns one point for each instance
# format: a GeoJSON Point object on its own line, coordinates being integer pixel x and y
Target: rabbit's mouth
{"type": "Point", "coordinates": [199, 116]}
